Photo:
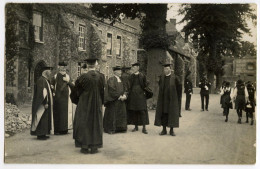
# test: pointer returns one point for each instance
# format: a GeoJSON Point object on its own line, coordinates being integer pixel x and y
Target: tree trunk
{"type": "Point", "coordinates": [154, 70]}
{"type": "Point", "coordinates": [154, 40]}
{"type": "Point", "coordinates": [219, 81]}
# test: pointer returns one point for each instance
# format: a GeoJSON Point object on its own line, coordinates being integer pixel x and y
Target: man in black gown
{"type": "Point", "coordinates": [167, 110]}
{"type": "Point", "coordinates": [42, 106]}
{"type": "Point", "coordinates": [88, 126]}
{"type": "Point", "coordinates": [136, 102]}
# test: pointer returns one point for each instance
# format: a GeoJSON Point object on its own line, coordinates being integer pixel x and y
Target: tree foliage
{"type": "Point", "coordinates": [152, 23]}
{"type": "Point", "coordinates": [216, 29]}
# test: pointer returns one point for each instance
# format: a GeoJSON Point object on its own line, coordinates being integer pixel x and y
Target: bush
{"type": "Point", "coordinates": [9, 98]}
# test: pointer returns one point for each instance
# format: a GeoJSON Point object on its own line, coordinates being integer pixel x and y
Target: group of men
{"type": "Point", "coordinates": [124, 96]}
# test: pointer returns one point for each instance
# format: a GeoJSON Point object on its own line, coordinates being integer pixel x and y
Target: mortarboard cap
{"type": "Point", "coordinates": [167, 65]}
{"type": "Point", "coordinates": [136, 64]}
{"type": "Point", "coordinates": [117, 68]}
{"type": "Point", "coordinates": [91, 60]}
{"type": "Point", "coordinates": [62, 63]}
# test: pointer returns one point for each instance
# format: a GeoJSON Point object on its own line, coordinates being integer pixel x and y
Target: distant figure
{"type": "Point", "coordinates": [226, 101]}
{"type": "Point", "coordinates": [221, 89]}
{"type": "Point", "coordinates": [136, 102]}
{"type": "Point", "coordinates": [240, 95]}
{"type": "Point", "coordinates": [250, 106]}
{"type": "Point", "coordinates": [167, 111]}
{"type": "Point", "coordinates": [115, 117]}
{"type": "Point", "coordinates": [62, 105]}
{"type": "Point", "coordinates": [88, 130]}
{"type": "Point", "coordinates": [42, 106]}
{"type": "Point", "coordinates": [188, 90]}
{"type": "Point", "coordinates": [204, 85]}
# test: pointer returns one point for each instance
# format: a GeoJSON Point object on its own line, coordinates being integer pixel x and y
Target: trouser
{"type": "Point", "coordinates": [239, 113]}
{"type": "Point", "coordinates": [226, 112]}
{"type": "Point", "coordinates": [187, 104]}
{"type": "Point", "coordinates": [206, 96]}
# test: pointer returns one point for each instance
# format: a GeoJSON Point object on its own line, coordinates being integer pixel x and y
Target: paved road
{"type": "Point", "coordinates": [203, 138]}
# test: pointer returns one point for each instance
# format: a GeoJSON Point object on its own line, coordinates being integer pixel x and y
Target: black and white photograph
{"type": "Point", "coordinates": [129, 83]}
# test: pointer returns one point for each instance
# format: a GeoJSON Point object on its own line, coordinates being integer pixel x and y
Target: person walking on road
{"type": "Point", "coordinates": [188, 90]}
{"type": "Point", "coordinates": [167, 111]}
{"type": "Point", "coordinates": [240, 95]}
{"type": "Point", "coordinates": [226, 102]}
{"type": "Point", "coordinates": [250, 106]}
{"type": "Point", "coordinates": [204, 85]}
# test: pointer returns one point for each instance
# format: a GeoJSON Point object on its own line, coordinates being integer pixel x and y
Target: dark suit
{"type": "Point", "coordinates": [204, 92]}
{"type": "Point", "coordinates": [188, 90]}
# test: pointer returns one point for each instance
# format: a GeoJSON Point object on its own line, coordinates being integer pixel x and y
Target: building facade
{"type": "Point", "coordinates": [49, 33]}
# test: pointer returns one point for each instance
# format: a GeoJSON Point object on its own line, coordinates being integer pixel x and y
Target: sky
{"type": "Point", "coordinates": [173, 13]}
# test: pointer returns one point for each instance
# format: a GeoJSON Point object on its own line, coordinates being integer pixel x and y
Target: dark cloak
{"type": "Point", "coordinates": [173, 113]}
{"type": "Point", "coordinates": [88, 126]}
{"type": "Point", "coordinates": [42, 121]}
{"type": "Point", "coordinates": [60, 103]}
{"type": "Point", "coordinates": [115, 112]}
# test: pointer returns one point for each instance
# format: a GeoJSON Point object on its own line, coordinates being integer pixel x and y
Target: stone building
{"type": "Point", "coordinates": [49, 33]}
{"type": "Point", "coordinates": [240, 68]}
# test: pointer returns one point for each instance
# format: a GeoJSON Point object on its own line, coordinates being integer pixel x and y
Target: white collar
{"type": "Point", "coordinates": [137, 73]}
{"type": "Point", "coordinates": [168, 74]}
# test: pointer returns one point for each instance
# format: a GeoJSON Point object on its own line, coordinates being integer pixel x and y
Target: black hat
{"type": "Point", "coordinates": [117, 68]}
{"type": "Point", "coordinates": [136, 64]}
{"type": "Point", "coordinates": [167, 65]}
{"type": "Point", "coordinates": [239, 82]}
{"type": "Point", "coordinates": [62, 63]}
{"type": "Point", "coordinates": [227, 84]}
{"type": "Point", "coordinates": [84, 66]}
{"type": "Point", "coordinates": [126, 67]}
{"type": "Point", "coordinates": [91, 60]}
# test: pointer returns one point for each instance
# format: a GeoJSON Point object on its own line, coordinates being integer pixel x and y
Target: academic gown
{"type": "Point", "coordinates": [115, 117]}
{"type": "Point", "coordinates": [62, 107]}
{"type": "Point", "coordinates": [88, 126]}
{"type": "Point", "coordinates": [41, 117]}
{"type": "Point", "coordinates": [168, 95]}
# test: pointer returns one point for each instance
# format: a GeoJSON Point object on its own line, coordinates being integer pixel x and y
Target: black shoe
{"type": "Point", "coordinates": [239, 121]}
{"type": "Point", "coordinates": [202, 110]}
{"type": "Point", "coordinates": [164, 132]}
{"type": "Point", "coordinates": [180, 115]}
{"type": "Point", "coordinates": [207, 110]}
{"type": "Point", "coordinates": [42, 137]}
{"type": "Point", "coordinates": [144, 131]}
{"type": "Point", "coordinates": [226, 120]}
{"type": "Point", "coordinates": [189, 109]}
{"type": "Point", "coordinates": [135, 129]}
{"type": "Point", "coordinates": [56, 133]}
{"type": "Point", "coordinates": [84, 150]}
{"type": "Point", "coordinates": [246, 121]}
{"type": "Point", "coordinates": [93, 150]}
{"type": "Point", "coordinates": [252, 122]}
{"type": "Point", "coordinates": [172, 133]}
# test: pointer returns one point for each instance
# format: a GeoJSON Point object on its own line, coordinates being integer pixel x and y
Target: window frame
{"type": "Point", "coordinates": [83, 38]}
{"type": "Point", "coordinates": [41, 37]}
{"type": "Point", "coordinates": [111, 49]}
{"type": "Point", "coordinates": [120, 47]}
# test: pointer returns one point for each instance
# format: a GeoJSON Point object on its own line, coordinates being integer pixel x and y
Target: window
{"type": "Point", "coordinates": [118, 46]}
{"type": "Point", "coordinates": [250, 66]}
{"type": "Point", "coordinates": [79, 69]}
{"type": "Point", "coordinates": [109, 44]}
{"type": "Point", "coordinates": [38, 26]}
{"type": "Point", "coordinates": [82, 39]}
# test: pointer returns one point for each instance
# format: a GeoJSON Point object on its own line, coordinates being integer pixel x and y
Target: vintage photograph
{"type": "Point", "coordinates": [130, 83]}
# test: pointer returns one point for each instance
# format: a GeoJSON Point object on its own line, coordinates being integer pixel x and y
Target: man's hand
{"type": "Point", "coordinates": [46, 106]}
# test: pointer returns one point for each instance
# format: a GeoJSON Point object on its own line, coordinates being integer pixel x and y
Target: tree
{"type": "Point", "coordinates": [216, 29]}
{"type": "Point", "coordinates": [153, 38]}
